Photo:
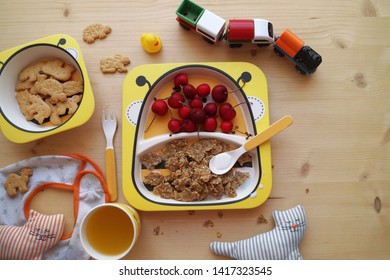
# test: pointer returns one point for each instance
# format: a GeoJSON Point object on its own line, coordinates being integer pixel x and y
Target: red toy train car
{"type": "Point", "coordinates": [253, 31]}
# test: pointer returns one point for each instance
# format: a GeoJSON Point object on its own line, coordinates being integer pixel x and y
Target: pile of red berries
{"type": "Point", "coordinates": [195, 110]}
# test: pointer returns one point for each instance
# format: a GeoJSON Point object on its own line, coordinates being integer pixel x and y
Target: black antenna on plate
{"type": "Point", "coordinates": [141, 81]}
{"type": "Point", "coordinates": [61, 42]}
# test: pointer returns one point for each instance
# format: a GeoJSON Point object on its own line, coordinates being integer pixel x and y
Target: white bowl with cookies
{"type": "Point", "coordinates": [45, 89]}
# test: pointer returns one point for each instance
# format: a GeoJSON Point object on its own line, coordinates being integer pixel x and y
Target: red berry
{"type": "Point", "coordinates": [226, 126]}
{"type": "Point", "coordinates": [184, 112]}
{"type": "Point", "coordinates": [174, 125]}
{"type": "Point", "coordinates": [203, 90]}
{"type": "Point", "coordinates": [160, 107]}
{"type": "Point", "coordinates": [210, 109]}
{"type": "Point", "coordinates": [180, 80]}
{"type": "Point", "coordinates": [189, 91]}
{"type": "Point", "coordinates": [219, 93]}
{"type": "Point", "coordinates": [198, 116]}
{"type": "Point", "coordinates": [196, 103]}
{"type": "Point", "coordinates": [188, 126]}
{"type": "Point", "coordinates": [227, 112]}
{"type": "Point", "coordinates": [210, 124]}
{"type": "Point", "coordinates": [176, 100]}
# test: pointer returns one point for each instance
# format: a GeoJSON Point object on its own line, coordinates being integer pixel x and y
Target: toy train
{"type": "Point", "coordinates": [237, 32]}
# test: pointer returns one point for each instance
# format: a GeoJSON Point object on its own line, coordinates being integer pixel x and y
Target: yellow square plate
{"type": "Point", "coordinates": [145, 83]}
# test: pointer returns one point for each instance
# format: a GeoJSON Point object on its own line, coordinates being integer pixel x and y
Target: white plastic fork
{"type": "Point", "coordinates": [109, 124]}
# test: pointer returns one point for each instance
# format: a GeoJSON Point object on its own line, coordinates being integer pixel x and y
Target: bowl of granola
{"type": "Point", "coordinates": [179, 117]}
{"type": "Point", "coordinates": [45, 89]}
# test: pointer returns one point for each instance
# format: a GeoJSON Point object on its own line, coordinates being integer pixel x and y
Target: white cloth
{"type": "Point", "coordinates": [75, 173]}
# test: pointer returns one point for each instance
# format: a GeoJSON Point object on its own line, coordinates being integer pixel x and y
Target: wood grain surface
{"type": "Point", "coordinates": [334, 160]}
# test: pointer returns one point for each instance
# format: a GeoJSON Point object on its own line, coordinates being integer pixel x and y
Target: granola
{"type": "Point", "coordinates": [151, 160]}
{"type": "Point", "coordinates": [190, 178]}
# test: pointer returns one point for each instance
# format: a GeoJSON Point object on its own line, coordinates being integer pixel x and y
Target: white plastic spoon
{"type": "Point", "coordinates": [222, 163]}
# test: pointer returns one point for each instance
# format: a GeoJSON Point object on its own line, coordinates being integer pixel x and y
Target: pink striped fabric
{"type": "Point", "coordinates": [28, 242]}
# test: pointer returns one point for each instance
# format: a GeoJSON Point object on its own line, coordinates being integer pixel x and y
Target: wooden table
{"type": "Point", "coordinates": [334, 160]}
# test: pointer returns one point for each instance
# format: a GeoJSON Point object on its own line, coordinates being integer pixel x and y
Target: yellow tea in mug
{"type": "Point", "coordinates": [110, 230]}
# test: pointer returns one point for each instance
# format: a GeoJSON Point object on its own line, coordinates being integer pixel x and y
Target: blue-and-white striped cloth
{"type": "Point", "coordinates": [281, 243]}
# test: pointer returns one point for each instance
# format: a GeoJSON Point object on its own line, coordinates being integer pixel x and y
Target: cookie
{"type": "Point", "coordinates": [24, 85]}
{"type": "Point", "coordinates": [72, 87]}
{"type": "Point", "coordinates": [114, 63]}
{"type": "Point", "coordinates": [59, 109]}
{"type": "Point", "coordinates": [16, 182]}
{"type": "Point", "coordinates": [58, 69]}
{"type": "Point", "coordinates": [29, 85]}
{"type": "Point", "coordinates": [95, 31]}
{"type": "Point", "coordinates": [31, 72]}
{"type": "Point", "coordinates": [33, 106]}
{"type": "Point", "coordinates": [52, 88]}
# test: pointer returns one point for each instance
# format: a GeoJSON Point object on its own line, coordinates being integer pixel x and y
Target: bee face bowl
{"type": "Point", "coordinates": [13, 124]}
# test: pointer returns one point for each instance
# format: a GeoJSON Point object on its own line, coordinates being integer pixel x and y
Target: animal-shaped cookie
{"type": "Point", "coordinates": [27, 84]}
{"type": "Point", "coordinates": [30, 241]}
{"type": "Point", "coordinates": [70, 105]}
{"type": "Point", "coordinates": [281, 243]}
{"type": "Point", "coordinates": [52, 88]}
{"type": "Point", "coordinates": [16, 182]}
{"type": "Point", "coordinates": [31, 72]}
{"type": "Point", "coordinates": [32, 106]}
{"type": "Point", "coordinates": [114, 63]}
{"type": "Point", "coordinates": [95, 31]}
{"type": "Point", "coordinates": [58, 69]}
{"type": "Point", "coordinates": [72, 87]}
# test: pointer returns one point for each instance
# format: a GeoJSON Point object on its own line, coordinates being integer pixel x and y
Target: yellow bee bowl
{"type": "Point", "coordinates": [13, 123]}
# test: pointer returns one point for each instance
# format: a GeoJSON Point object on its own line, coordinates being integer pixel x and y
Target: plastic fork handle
{"type": "Point", "coordinates": [111, 174]}
{"type": "Point", "coordinates": [270, 131]}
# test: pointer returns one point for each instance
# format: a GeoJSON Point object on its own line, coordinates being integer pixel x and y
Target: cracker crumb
{"type": "Point", "coordinates": [262, 220]}
{"type": "Point", "coordinates": [208, 224]}
{"type": "Point", "coordinates": [156, 230]}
